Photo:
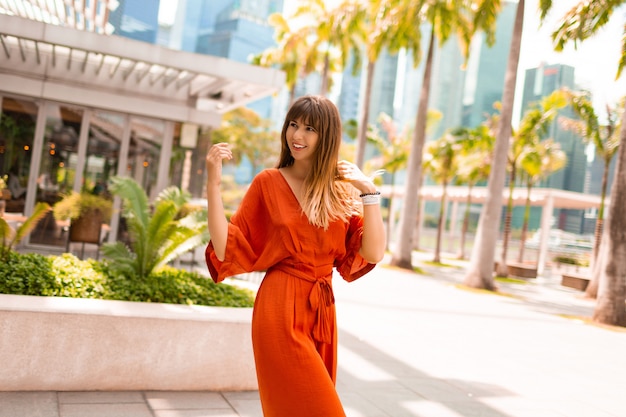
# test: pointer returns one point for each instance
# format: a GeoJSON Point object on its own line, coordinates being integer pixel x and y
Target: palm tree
{"type": "Point", "coordinates": [476, 148]}
{"type": "Point", "coordinates": [340, 29]}
{"type": "Point", "coordinates": [538, 162]}
{"type": "Point", "coordinates": [250, 136]}
{"type": "Point", "coordinates": [287, 55]}
{"type": "Point", "coordinates": [534, 124]}
{"type": "Point", "coordinates": [580, 23]}
{"type": "Point", "coordinates": [605, 140]}
{"type": "Point", "coordinates": [393, 149]}
{"type": "Point", "coordinates": [444, 18]}
{"type": "Point", "coordinates": [440, 161]}
{"type": "Point", "coordinates": [480, 271]}
{"type": "Point", "coordinates": [380, 26]}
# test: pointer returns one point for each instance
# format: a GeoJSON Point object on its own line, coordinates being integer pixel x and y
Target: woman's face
{"type": "Point", "coordinates": [301, 139]}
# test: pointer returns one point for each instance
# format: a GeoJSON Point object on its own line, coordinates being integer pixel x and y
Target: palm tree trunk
{"type": "Point", "coordinates": [402, 255]}
{"type": "Point", "coordinates": [611, 306]}
{"type": "Point", "coordinates": [522, 240]}
{"type": "Point", "coordinates": [361, 139]}
{"type": "Point", "coordinates": [325, 75]}
{"type": "Point", "coordinates": [292, 94]}
{"type": "Point", "coordinates": [480, 271]}
{"type": "Point", "coordinates": [466, 217]}
{"type": "Point", "coordinates": [592, 289]}
{"type": "Point", "coordinates": [389, 212]}
{"type": "Point", "coordinates": [440, 223]}
{"type": "Point", "coordinates": [503, 269]}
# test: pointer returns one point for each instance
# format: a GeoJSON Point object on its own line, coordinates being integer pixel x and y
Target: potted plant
{"type": "Point", "coordinates": [86, 213]}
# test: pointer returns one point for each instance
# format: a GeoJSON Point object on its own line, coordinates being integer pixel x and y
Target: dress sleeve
{"type": "Point", "coordinates": [246, 238]}
{"type": "Point", "coordinates": [352, 266]}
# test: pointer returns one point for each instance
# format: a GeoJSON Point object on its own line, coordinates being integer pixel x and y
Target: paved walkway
{"type": "Point", "coordinates": [419, 345]}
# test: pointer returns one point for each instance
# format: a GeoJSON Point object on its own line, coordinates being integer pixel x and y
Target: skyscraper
{"type": "Point", "coordinates": [541, 82]}
{"type": "Point", "coordinates": [486, 70]}
{"type": "Point", "coordinates": [136, 19]}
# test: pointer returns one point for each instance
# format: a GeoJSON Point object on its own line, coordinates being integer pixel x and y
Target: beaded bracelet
{"type": "Point", "coordinates": [370, 199]}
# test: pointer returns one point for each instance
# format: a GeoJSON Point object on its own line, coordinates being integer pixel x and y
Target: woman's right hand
{"type": "Point", "coordinates": [218, 226]}
{"type": "Point", "coordinates": [214, 157]}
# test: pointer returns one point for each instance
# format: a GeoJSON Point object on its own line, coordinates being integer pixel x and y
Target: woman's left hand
{"type": "Point", "coordinates": [350, 172]}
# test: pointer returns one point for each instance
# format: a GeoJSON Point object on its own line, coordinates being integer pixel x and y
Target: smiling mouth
{"type": "Point", "coordinates": [297, 146]}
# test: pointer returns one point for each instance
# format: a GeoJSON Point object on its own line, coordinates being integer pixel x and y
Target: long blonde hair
{"type": "Point", "coordinates": [324, 197]}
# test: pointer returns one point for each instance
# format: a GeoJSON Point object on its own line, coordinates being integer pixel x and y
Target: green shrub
{"type": "Point", "coordinates": [26, 274]}
{"type": "Point", "coordinates": [62, 276]}
{"type": "Point", "coordinates": [571, 260]}
{"type": "Point", "coordinates": [77, 279]}
{"type": "Point", "coordinates": [174, 286]}
{"type": "Point", "coordinates": [68, 276]}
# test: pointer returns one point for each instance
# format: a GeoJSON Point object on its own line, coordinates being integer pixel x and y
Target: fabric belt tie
{"type": "Point", "coordinates": [321, 297]}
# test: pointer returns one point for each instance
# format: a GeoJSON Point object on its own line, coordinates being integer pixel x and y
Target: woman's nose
{"type": "Point", "coordinates": [298, 133]}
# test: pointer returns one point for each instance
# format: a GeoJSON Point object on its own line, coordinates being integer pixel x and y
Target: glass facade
{"type": "Point", "coordinates": [18, 118]}
{"type": "Point", "coordinates": [541, 82]}
{"type": "Point", "coordinates": [49, 149]}
{"type": "Point", "coordinates": [136, 19]}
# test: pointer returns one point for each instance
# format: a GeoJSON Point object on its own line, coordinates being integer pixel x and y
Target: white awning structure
{"type": "Point", "coordinates": [561, 199]}
{"type": "Point", "coordinates": [87, 15]}
{"type": "Point", "coordinates": [114, 73]}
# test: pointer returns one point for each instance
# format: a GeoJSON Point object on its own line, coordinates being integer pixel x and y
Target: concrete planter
{"type": "Point", "coordinates": [66, 344]}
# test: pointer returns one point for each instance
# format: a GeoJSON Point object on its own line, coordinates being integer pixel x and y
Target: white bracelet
{"type": "Point", "coordinates": [370, 199]}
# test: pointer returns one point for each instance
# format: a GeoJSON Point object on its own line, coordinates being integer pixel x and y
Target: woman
{"type": "Point", "coordinates": [297, 222]}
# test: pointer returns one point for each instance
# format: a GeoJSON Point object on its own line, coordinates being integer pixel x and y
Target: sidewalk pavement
{"type": "Point", "coordinates": [420, 345]}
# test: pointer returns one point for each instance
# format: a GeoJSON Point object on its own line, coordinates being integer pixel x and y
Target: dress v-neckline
{"type": "Point", "coordinates": [291, 190]}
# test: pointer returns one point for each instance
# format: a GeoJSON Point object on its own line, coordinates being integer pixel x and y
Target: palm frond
{"type": "Point", "coordinates": [182, 243]}
{"type": "Point", "coordinates": [39, 212]}
{"type": "Point", "coordinates": [174, 194]}
{"type": "Point", "coordinates": [135, 199]}
{"type": "Point", "coordinates": [121, 257]}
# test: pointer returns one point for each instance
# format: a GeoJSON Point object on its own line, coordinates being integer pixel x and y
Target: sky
{"type": "Point", "coordinates": [595, 59]}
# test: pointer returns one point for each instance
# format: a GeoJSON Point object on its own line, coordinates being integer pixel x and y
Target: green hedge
{"type": "Point", "coordinates": [68, 276]}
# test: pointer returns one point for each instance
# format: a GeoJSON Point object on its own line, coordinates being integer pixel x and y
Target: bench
{"type": "Point", "coordinates": [576, 281]}
{"type": "Point", "coordinates": [520, 270]}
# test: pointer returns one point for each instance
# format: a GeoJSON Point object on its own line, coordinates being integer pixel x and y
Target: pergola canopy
{"type": "Point", "coordinates": [88, 15]}
{"type": "Point", "coordinates": [546, 198]}
{"type": "Point", "coordinates": [119, 74]}
{"type": "Point", "coordinates": [560, 199]}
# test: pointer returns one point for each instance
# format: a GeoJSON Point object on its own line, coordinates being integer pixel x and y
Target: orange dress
{"type": "Point", "coordinates": [294, 334]}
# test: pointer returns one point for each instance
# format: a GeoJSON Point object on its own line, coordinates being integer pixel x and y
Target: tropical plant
{"type": "Point", "coordinates": [480, 271]}
{"type": "Point", "coordinates": [440, 162]}
{"type": "Point", "coordinates": [605, 140]}
{"type": "Point", "coordinates": [476, 148]}
{"type": "Point", "coordinates": [579, 24]}
{"type": "Point", "coordinates": [444, 18]}
{"type": "Point", "coordinates": [157, 236]}
{"type": "Point", "coordinates": [9, 237]}
{"type": "Point", "coordinates": [291, 46]}
{"type": "Point", "coordinates": [335, 34]}
{"type": "Point", "coordinates": [74, 205]}
{"type": "Point", "coordinates": [250, 137]}
{"type": "Point", "coordinates": [534, 124]}
{"type": "Point", "coordinates": [393, 149]}
{"type": "Point", "coordinates": [380, 24]}
{"type": "Point", "coordinates": [538, 162]}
